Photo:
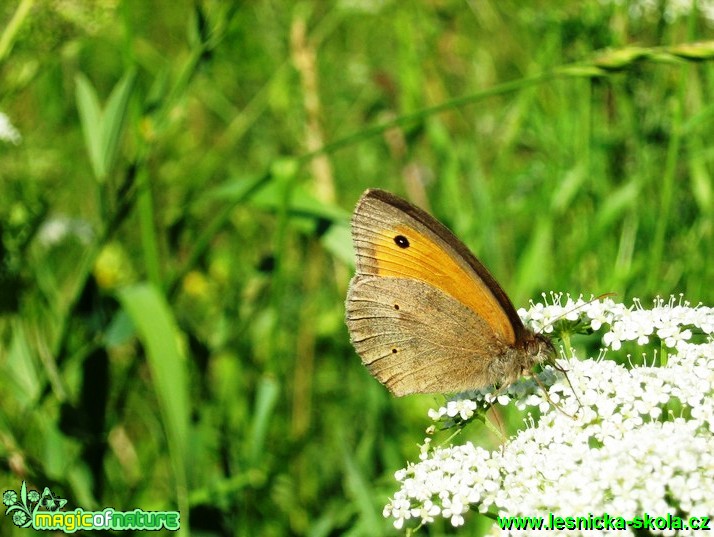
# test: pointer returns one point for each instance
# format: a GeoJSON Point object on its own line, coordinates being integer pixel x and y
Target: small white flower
{"type": "Point", "coordinates": [435, 414]}
{"type": "Point", "coordinates": [464, 408]}
{"type": "Point", "coordinates": [426, 512]}
{"type": "Point", "coordinates": [598, 313]}
{"type": "Point", "coordinates": [678, 337]}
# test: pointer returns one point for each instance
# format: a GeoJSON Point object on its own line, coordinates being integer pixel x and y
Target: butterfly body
{"type": "Point", "coordinates": [423, 313]}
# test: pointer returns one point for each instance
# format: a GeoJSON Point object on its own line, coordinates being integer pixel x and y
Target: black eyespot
{"type": "Point", "coordinates": [394, 351]}
{"type": "Point", "coordinates": [401, 241]}
{"type": "Point", "coordinates": [396, 306]}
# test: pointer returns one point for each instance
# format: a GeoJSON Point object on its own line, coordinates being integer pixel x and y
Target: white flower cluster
{"type": "Point", "coordinates": [670, 321]}
{"type": "Point", "coordinates": [641, 440]}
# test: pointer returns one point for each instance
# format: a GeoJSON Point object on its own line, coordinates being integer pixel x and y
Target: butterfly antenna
{"type": "Point", "coordinates": [555, 364]}
{"type": "Point", "coordinates": [564, 371]}
{"type": "Point", "coordinates": [576, 308]}
{"type": "Point", "coordinates": [556, 405]}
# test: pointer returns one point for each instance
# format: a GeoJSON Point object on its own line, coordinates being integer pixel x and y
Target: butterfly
{"type": "Point", "coordinates": [423, 313]}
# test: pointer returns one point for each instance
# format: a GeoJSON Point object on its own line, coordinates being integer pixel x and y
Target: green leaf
{"type": "Point", "coordinates": [90, 116]}
{"type": "Point", "coordinates": [21, 368]}
{"type": "Point", "coordinates": [266, 397]}
{"type": "Point", "coordinates": [114, 119]}
{"type": "Point", "coordinates": [159, 335]}
{"type": "Point", "coordinates": [102, 129]}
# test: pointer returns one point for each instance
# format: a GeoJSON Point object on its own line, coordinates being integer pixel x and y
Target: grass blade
{"type": "Point", "coordinates": [114, 119]}
{"type": "Point", "coordinates": [159, 335]}
{"type": "Point", "coordinates": [267, 396]}
{"type": "Point", "coordinates": [90, 116]}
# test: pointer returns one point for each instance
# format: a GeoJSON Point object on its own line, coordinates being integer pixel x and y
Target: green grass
{"type": "Point", "coordinates": [189, 349]}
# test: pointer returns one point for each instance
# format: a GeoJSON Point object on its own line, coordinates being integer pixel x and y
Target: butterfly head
{"type": "Point", "coordinates": [537, 348]}
{"type": "Point", "coordinates": [541, 347]}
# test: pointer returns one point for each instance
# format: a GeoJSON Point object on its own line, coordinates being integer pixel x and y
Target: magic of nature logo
{"type": "Point", "coordinates": [44, 511]}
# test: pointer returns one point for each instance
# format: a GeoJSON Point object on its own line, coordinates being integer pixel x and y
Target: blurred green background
{"type": "Point", "coordinates": [174, 212]}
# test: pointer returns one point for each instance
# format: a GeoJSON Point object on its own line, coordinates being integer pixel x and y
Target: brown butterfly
{"type": "Point", "coordinates": [423, 313]}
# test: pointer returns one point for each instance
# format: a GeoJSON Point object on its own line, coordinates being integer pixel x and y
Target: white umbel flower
{"type": "Point", "coordinates": [641, 440]}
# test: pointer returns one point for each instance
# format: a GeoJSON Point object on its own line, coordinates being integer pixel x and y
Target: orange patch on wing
{"type": "Point", "coordinates": [426, 261]}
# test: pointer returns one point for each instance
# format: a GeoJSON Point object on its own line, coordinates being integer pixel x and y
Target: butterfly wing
{"type": "Point", "coordinates": [415, 338]}
{"type": "Point", "coordinates": [394, 238]}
